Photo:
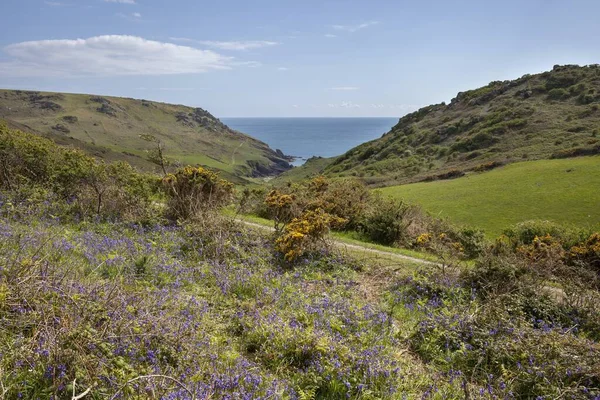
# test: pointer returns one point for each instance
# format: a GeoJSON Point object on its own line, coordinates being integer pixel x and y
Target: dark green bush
{"type": "Point", "coordinates": [86, 187]}
{"type": "Point", "coordinates": [479, 141]}
{"type": "Point", "coordinates": [558, 94]}
{"type": "Point", "coordinates": [472, 241]}
{"type": "Point", "coordinates": [387, 221]}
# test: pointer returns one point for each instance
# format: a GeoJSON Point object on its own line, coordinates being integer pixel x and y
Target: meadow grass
{"type": "Point", "coordinates": [565, 191]}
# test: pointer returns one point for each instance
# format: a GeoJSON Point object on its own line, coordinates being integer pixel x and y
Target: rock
{"type": "Point", "coordinates": [48, 105]}
{"type": "Point", "coordinates": [61, 128]}
{"type": "Point", "coordinates": [108, 110]}
{"type": "Point", "coordinates": [98, 99]}
{"type": "Point", "coordinates": [524, 93]}
{"type": "Point", "coordinates": [184, 119]}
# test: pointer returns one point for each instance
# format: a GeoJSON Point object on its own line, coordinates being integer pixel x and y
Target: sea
{"type": "Point", "coordinates": [307, 137]}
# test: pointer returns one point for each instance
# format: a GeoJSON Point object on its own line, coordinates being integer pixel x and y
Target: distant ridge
{"type": "Point", "coordinates": [110, 128]}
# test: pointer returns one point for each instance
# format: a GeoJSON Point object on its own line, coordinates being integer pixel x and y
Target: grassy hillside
{"type": "Point", "coordinates": [554, 114]}
{"type": "Point", "coordinates": [110, 127]}
{"type": "Point", "coordinates": [565, 191]}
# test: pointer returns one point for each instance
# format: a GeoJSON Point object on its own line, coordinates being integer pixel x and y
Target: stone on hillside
{"type": "Point", "coordinates": [48, 105]}
{"type": "Point", "coordinates": [108, 110]}
{"type": "Point", "coordinates": [61, 128]}
{"type": "Point", "coordinates": [98, 99]}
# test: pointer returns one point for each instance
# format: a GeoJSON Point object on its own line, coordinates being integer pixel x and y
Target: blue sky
{"type": "Point", "coordinates": [289, 58]}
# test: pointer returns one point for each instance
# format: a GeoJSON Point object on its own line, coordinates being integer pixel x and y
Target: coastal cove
{"type": "Point", "coordinates": [307, 137]}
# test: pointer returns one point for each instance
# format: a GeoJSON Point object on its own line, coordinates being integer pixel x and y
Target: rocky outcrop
{"type": "Point", "coordinates": [277, 166]}
{"type": "Point", "coordinates": [107, 109]}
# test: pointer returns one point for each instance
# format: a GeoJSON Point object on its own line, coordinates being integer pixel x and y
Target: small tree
{"type": "Point", "coordinates": [157, 154]}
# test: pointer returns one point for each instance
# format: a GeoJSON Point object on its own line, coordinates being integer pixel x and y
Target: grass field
{"type": "Point", "coordinates": [565, 191]}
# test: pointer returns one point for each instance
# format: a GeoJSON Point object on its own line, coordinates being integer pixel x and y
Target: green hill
{"type": "Point", "coordinates": [564, 191]}
{"type": "Point", "coordinates": [554, 114]}
{"type": "Point", "coordinates": [110, 128]}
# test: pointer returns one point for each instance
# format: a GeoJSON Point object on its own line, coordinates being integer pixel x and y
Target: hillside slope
{"type": "Point", "coordinates": [110, 127]}
{"type": "Point", "coordinates": [554, 114]}
{"type": "Point", "coordinates": [563, 191]}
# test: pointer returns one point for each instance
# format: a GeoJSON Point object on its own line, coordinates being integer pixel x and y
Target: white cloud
{"type": "Point", "coordinates": [330, 35]}
{"type": "Point", "coordinates": [121, 1]}
{"type": "Point", "coordinates": [354, 28]}
{"type": "Point", "coordinates": [229, 45]}
{"type": "Point", "coordinates": [283, 69]}
{"type": "Point", "coordinates": [54, 3]}
{"type": "Point", "coordinates": [344, 104]}
{"type": "Point", "coordinates": [135, 17]}
{"type": "Point", "coordinates": [109, 55]}
{"type": "Point", "coordinates": [344, 88]}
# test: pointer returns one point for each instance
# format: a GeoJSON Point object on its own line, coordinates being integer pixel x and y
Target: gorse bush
{"type": "Point", "coordinates": [555, 247]}
{"type": "Point", "coordinates": [194, 191]}
{"type": "Point", "coordinates": [587, 253]}
{"type": "Point", "coordinates": [282, 208]}
{"type": "Point", "coordinates": [306, 233]}
{"type": "Point", "coordinates": [345, 198]}
{"type": "Point", "coordinates": [304, 214]}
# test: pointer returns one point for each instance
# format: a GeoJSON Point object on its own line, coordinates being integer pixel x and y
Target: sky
{"type": "Point", "coordinates": [289, 58]}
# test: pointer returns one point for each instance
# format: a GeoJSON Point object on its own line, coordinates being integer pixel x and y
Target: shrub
{"type": "Point", "coordinates": [86, 188]}
{"type": "Point", "coordinates": [479, 141]}
{"type": "Point", "coordinates": [497, 274]}
{"type": "Point", "coordinates": [387, 221]}
{"type": "Point", "coordinates": [193, 191]}
{"type": "Point", "coordinates": [25, 159]}
{"type": "Point", "coordinates": [344, 198]}
{"type": "Point", "coordinates": [304, 234]}
{"type": "Point", "coordinates": [558, 94]}
{"type": "Point", "coordinates": [282, 208]}
{"type": "Point", "coordinates": [472, 242]}
{"type": "Point", "coordinates": [526, 232]}
{"type": "Point", "coordinates": [587, 253]}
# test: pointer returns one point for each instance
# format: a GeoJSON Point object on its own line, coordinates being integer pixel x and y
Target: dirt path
{"type": "Point", "coordinates": [355, 247]}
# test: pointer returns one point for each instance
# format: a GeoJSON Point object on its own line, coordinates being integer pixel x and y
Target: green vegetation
{"type": "Point", "coordinates": [564, 191]}
{"type": "Point", "coordinates": [116, 284]}
{"type": "Point", "coordinates": [554, 114]}
{"type": "Point", "coordinates": [358, 215]}
{"type": "Point", "coordinates": [112, 129]}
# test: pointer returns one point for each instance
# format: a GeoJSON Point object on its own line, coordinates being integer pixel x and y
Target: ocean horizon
{"type": "Point", "coordinates": [305, 137]}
